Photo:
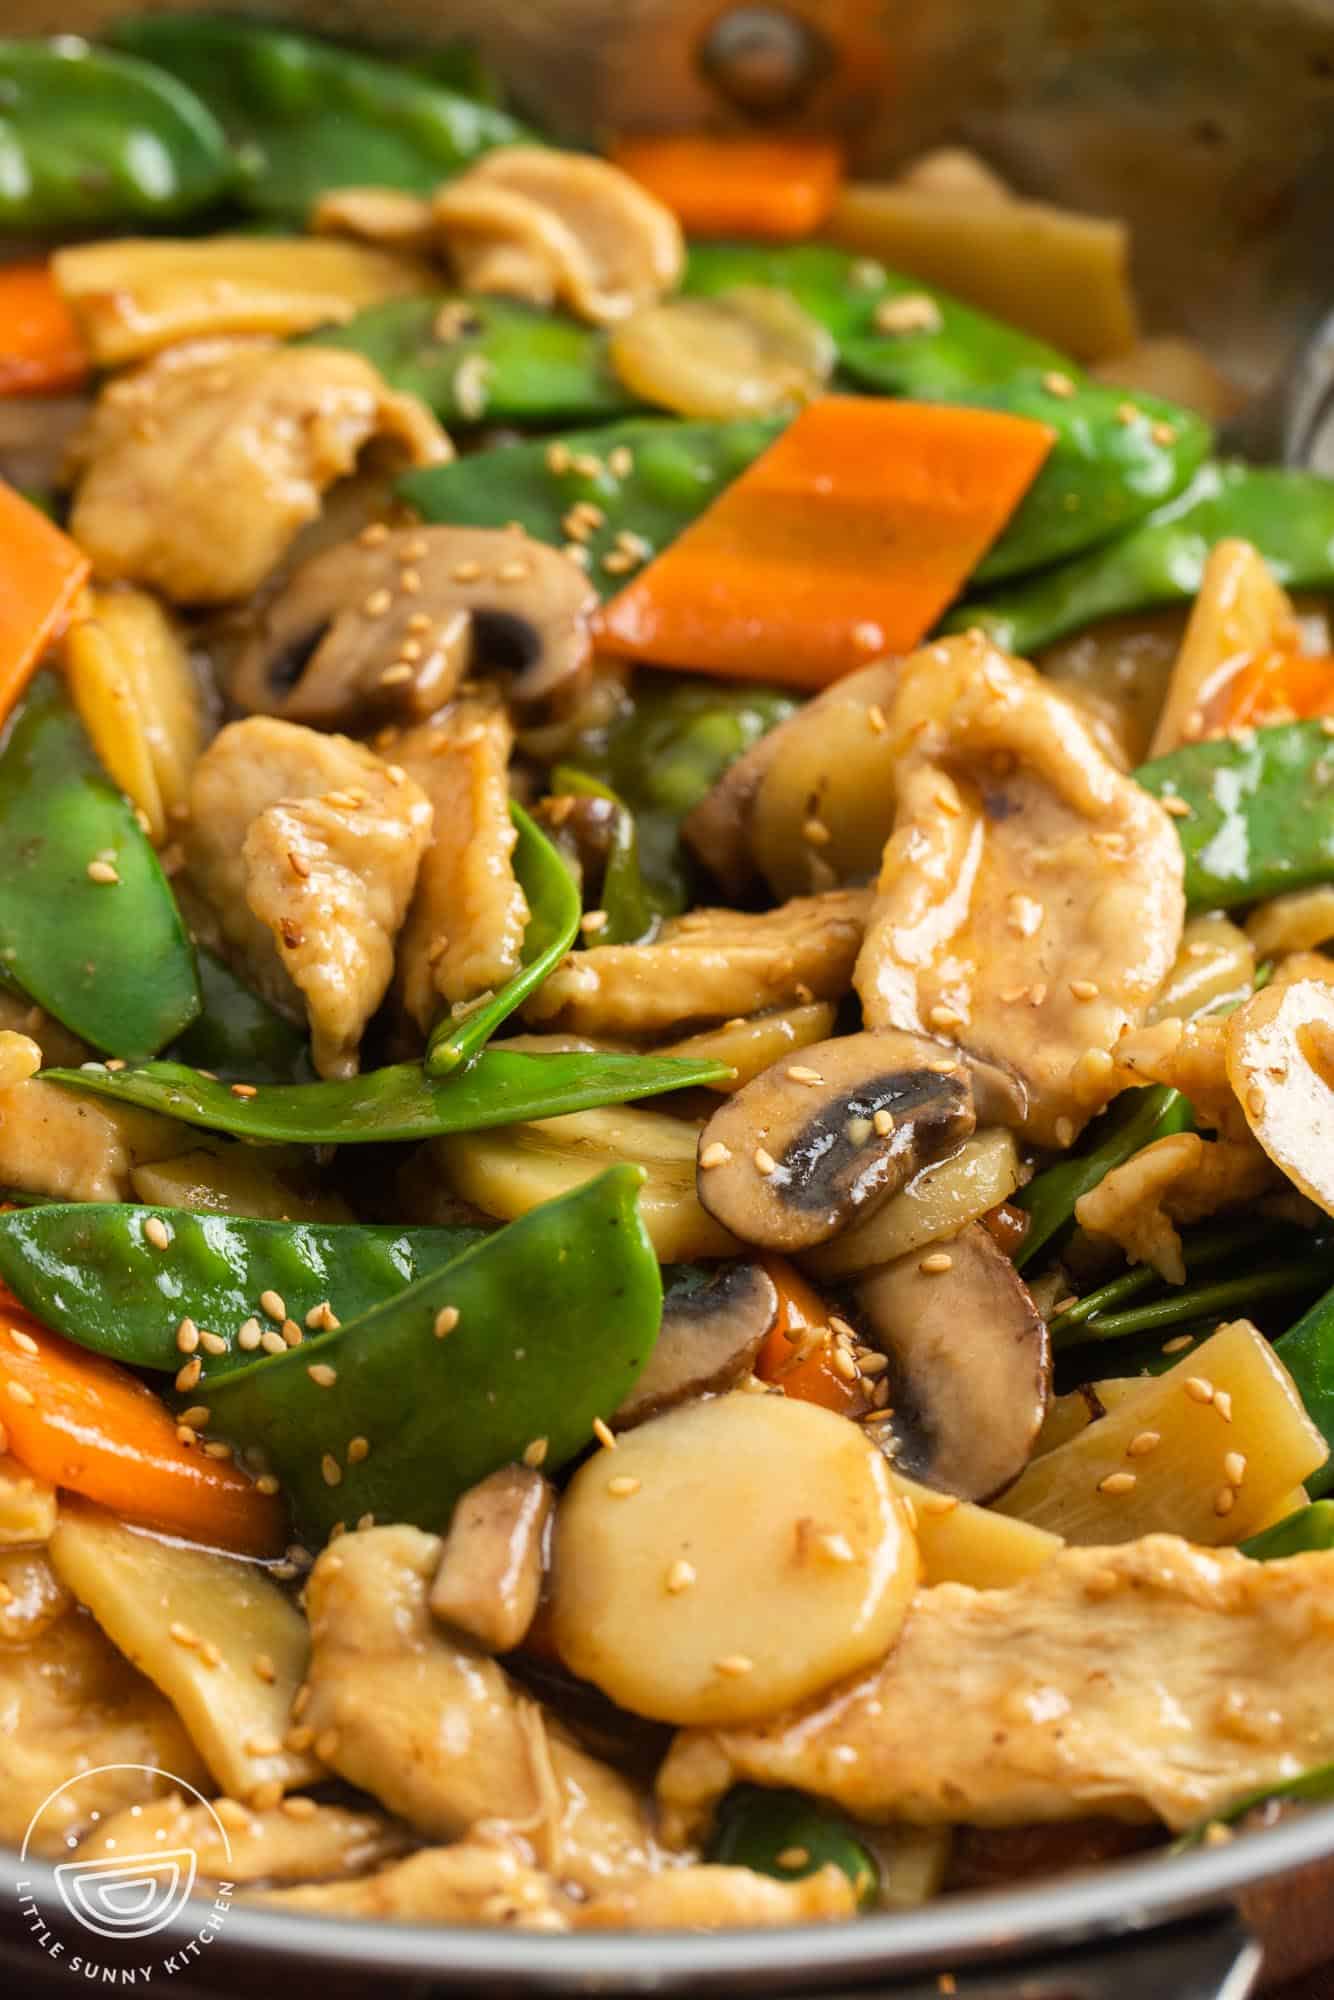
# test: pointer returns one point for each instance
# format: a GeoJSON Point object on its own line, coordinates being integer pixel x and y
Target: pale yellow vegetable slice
{"type": "Point", "coordinates": [1286, 1505]}
{"type": "Point", "coordinates": [215, 1634]}
{"type": "Point", "coordinates": [27, 1505]}
{"type": "Point", "coordinates": [32, 1596]}
{"type": "Point", "coordinates": [1116, 673]}
{"type": "Point", "coordinates": [515, 1167]}
{"type": "Point", "coordinates": [1062, 276]}
{"type": "Point", "coordinates": [130, 675]}
{"type": "Point", "coordinates": [1302, 920]}
{"type": "Point", "coordinates": [1280, 1063]}
{"type": "Point", "coordinates": [740, 354]}
{"type": "Point", "coordinates": [913, 1861]}
{"type": "Point", "coordinates": [958, 1542]}
{"type": "Point", "coordinates": [939, 1201]}
{"type": "Point", "coordinates": [108, 705]}
{"type": "Point", "coordinates": [274, 1182]}
{"type": "Point", "coordinates": [829, 773]}
{"type": "Point", "coordinates": [1066, 1416]}
{"type": "Point", "coordinates": [1240, 613]}
{"type": "Point", "coordinates": [137, 294]}
{"type": "Point", "coordinates": [1165, 365]}
{"type": "Point", "coordinates": [1215, 967]}
{"type": "Point", "coordinates": [729, 1559]}
{"type": "Point", "coordinates": [753, 1043]}
{"type": "Point", "coordinates": [1203, 1451]}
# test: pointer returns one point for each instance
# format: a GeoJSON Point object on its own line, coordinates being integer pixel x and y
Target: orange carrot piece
{"type": "Point", "coordinates": [41, 349]}
{"type": "Point", "coordinates": [83, 1422]}
{"type": "Point", "coordinates": [844, 541]}
{"type": "Point", "coordinates": [41, 574]}
{"type": "Point", "coordinates": [798, 1351]}
{"type": "Point", "coordinates": [1277, 687]}
{"type": "Point", "coordinates": [775, 188]}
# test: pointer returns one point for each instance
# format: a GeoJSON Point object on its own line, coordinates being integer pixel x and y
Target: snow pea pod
{"type": "Point", "coordinates": [1309, 1528]}
{"type": "Point", "coordinates": [769, 1830]}
{"type": "Point", "coordinates": [237, 1035]}
{"type": "Point", "coordinates": [110, 958]}
{"type": "Point", "coordinates": [1289, 516]}
{"type": "Point", "coordinates": [306, 116]}
{"type": "Point", "coordinates": [89, 138]}
{"type": "Point", "coordinates": [1261, 818]}
{"type": "Point", "coordinates": [400, 1102]}
{"type": "Point", "coordinates": [547, 1325]}
{"type": "Point", "coordinates": [88, 1270]}
{"type": "Point", "coordinates": [486, 360]}
{"type": "Point", "coordinates": [1131, 1122]}
{"type": "Point", "coordinates": [624, 901]}
{"type": "Point", "coordinates": [553, 923]}
{"type": "Point", "coordinates": [1307, 1352]}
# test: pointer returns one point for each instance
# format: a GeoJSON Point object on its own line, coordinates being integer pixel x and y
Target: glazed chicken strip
{"type": "Point", "coordinates": [70, 1147]}
{"type": "Point", "coordinates": [307, 848]}
{"type": "Point", "coordinates": [1189, 1056]}
{"type": "Point", "coordinates": [1149, 1680]}
{"type": "Point", "coordinates": [464, 931]}
{"type": "Point", "coordinates": [321, 1843]}
{"type": "Point", "coordinates": [1177, 1179]}
{"type": "Point", "coordinates": [1029, 904]}
{"type": "Point", "coordinates": [709, 966]}
{"type": "Point", "coordinates": [433, 1728]}
{"type": "Point", "coordinates": [196, 471]}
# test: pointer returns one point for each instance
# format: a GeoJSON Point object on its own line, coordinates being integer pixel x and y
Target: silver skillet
{"type": "Point", "coordinates": [1208, 125]}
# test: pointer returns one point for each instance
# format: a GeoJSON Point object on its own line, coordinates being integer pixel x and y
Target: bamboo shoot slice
{"type": "Point", "coordinates": [958, 1542]}
{"type": "Point", "coordinates": [939, 1201]}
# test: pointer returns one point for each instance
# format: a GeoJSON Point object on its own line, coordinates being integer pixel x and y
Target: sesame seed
{"type": "Point", "coordinates": [1177, 1343]}
{"type": "Point", "coordinates": [875, 716]}
{"type": "Point", "coordinates": [18, 1393]}
{"type": "Point", "coordinates": [322, 1374]}
{"type": "Point", "coordinates": [942, 1016]}
{"type": "Point", "coordinates": [882, 1123]}
{"type": "Point", "coordinates": [212, 1343]}
{"type": "Point", "coordinates": [209, 1653]}
{"type": "Point", "coordinates": [1223, 1404]}
{"type": "Point", "coordinates": [394, 676]}
{"type": "Point", "coordinates": [512, 572]}
{"type": "Point", "coordinates": [187, 1336]}
{"type": "Point", "coordinates": [623, 1486]}
{"type": "Point", "coordinates": [620, 461]}
{"type": "Point", "coordinates": [1255, 1101]}
{"type": "Point", "coordinates": [715, 1154]}
{"type": "Point", "coordinates": [265, 1797]}
{"type": "Point", "coordinates": [586, 464]}
{"type": "Point", "coordinates": [534, 1454]}
{"type": "Point", "coordinates": [188, 1376]}
{"type": "Point", "coordinates": [1163, 433]}
{"type": "Point", "coordinates": [1199, 1389]}
{"type": "Point", "coordinates": [948, 803]}
{"type": "Point", "coordinates": [157, 1233]}
{"type": "Point", "coordinates": [843, 1364]}
{"type": "Point", "coordinates": [273, 1304]}
{"type": "Point", "coordinates": [874, 1363]}
{"type": "Point", "coordinates": [1143, 1443]}
{"type": "Point", "coordinates": [103, 872]}
{"type": "Point", "coordinates": [196, 1416]}
{"type": "Point", "coordinates": [330, 1470]}
{"type": "Point", "coordinates": [800, 1074]}
{"type": "Point", "coordinates": [1084, 989]}
{"type": "Point", "coordinates": [358, 1450]}
{"type": "Point", "coordinates": [867, 636]}
{"type": "Point", "coordinates": [604, 1434]}
{"type": "Point", "coordinates": [911, 312]}
{"type": "Point", "coordinates": [217, 1449]}
{"type": "Point", "coordinates": [936, 1264]}
{"type": "Point", "coordinates": [23, 1341]}
{"type": "Point", "coordinates": [618, 562]}
{"type": "Point", "coordinates": [182, 1635]}
{"type": "Point", "coordinates": [266, 1483]}
{"type": "Point", "coordinates": [373, 534]}
{"type": "Point", "coordinates": [734, 1665]}
{"type": "Point", "coordinates": [270, 1340]}
{"type": "Point", "coordinates": [377, 603]}
{"type": "Point", "coordinates": [1234, 1468]}
{"type": "Point", "coordinates": [573, 552]}
{"type": "Point", "coordinates": [184, 1435]}
{"type": "Point", "coordinates": [301, 1702]}
{"type": "Point", "coordinates": [467, 572]}
{"type": "Point", "coordinates": [1117, 1483]}
{"type": "Point", "coordinates": [793, 1857]}
{"type": "Point", "coordinates": [1225, 1500]}
{"type": "Point", "coordinates": [765, 1163]}
{"type": "Point", "coordinates": [326, 1745]}
{"type": "Point", "coordinates": [445, 1321]}
{"type": "Point", "coordinates": [815, 833]}
{"type": "Point", "coordinates": [593, 921]}
{"type": "Point", "coordinates": [292, 1334]}
{"type": "Point", "coordinates": [262, 1746]}
{"type": "Point", "coordinates": [244, 1090]}
{"type": "Point", "coordinates": [1177, 807]}
{"type": "Point", "coordinates": [1058, 384]}
{"type": "Point", "coordinates": [558, 458]}
{"type": "Point", "coordinates": [299, 1807]}
{"type": "Point", "coordinates": [1063, 1129]}
{"type": "Point", "coordinates": [1127, 413]}
{"type": "Point", "coordinates": [321, 1318]}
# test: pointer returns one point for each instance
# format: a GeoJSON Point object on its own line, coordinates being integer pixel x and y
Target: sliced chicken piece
{"type": "Point", "coordinates": [434, 1729]}
{"type": "Point", "coordinates": [493, 1558]}
{"type": "Point", "coordinates": [1189, 1056]}
{"type": "Point", "coordinates": [196, 471]}
{"type": "Point", "coordinates": [71, 1147]}
{"type": "Point", "coordinates": [709, 966]}
{"type": "Point", "coordinates": [1178, 1179]}
{"type": "Point", "coordinates": [305, 1841]}
{"type": "Point", "coordinates": [1029, 903]}
{"type": "Point", "coordinates": [1152, 1679]}
{"type": "Point", "coordinates": [472, 1882]}
{"type": "Point", "coordinates": [307, 847]}
{"type": "Point", "coordinates": [70, 1703]}
{"type": "Point", "coordinates": [464, 931]}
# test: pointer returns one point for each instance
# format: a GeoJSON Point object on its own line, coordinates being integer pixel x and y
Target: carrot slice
{"type": "Point", "coordinates": [81, 1421]}
{"type": "Point", "coordinates": [775, 188]}
{"type": "Point", "coordinates": [844, 541]}
{"type": "Point", "coordinates": [41, 574]}
{"type": "Point", "coordinates": [1280, 686]}
{"type": "Point", "coordinates": [799, 1348]}
{"type": "Point", "coordinates": [41, 349]}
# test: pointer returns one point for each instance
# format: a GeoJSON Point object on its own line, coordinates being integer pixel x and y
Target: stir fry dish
{"type": "Point", "coordinates": [666, 1014]}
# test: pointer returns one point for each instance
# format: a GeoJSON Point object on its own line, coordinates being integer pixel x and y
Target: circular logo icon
{"type": "Point", "coordinates": [128, 1895]}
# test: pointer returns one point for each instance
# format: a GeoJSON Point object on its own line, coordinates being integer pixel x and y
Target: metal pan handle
{"type": "Point", "coordinates": [1216, 1958]}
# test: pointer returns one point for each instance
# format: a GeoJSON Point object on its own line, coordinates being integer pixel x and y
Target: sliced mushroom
{"type": "Point", "coordinates": [493, 1557]}
{"type": "Point", "coordinates": [970, 1363]}
{"type": "Point", "coordinates": [1280, 1062]}
{"type": "Point", "coordinates": [808, 1146]}
{"type": "Point", "coordinates": [391, 624]}
{"type": "Point", "coordinates": [710, 1335]}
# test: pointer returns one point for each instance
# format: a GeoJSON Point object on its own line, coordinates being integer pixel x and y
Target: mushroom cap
{"type": "Point", "coordinates": [710, 1335]}
{"type": "Point", "coordinates": [389, 626]}
{"type": "Point", "coordinates": [809, 1145]}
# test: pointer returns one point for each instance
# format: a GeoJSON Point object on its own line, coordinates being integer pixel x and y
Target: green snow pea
{"type": "Point", "coordinates": [401, 1102]}
{"type": "Point", "coordinates": [1307, 1352]}
{"type": "Point", "coordinates": [553, 924]}
{"type": "Point", "coordinates": [1215, 1301]}
{"type": "Point", "coordinates": [89, 138]}
{"type": "Point", "coordinates": [756, 1828]}
{"type": "Point", "coordinates": [458, 64]}
{"type": "Point", "coordinates": [306, 116]}
{"type": "Point", "coordinates": [554, 1318]}
{"type": "Point", "coordinates": [1289, 516]}
{"type": "Point", "coordinates": [1261, 817]}
{"type": "Point", "coordinates": [1309, 1528]}
{"type": "Point", "coordinates": [112, 960]}
{"type": "Point", "coordinates": [625, 902]}
{"type": "Point", "coordinates": [517, 363]}
{"type": "Point", "coordinates": [965, 350]}
{"type": "Point", "coordinates": [85, 1269]}
{"type": "Point", "coordinates": [237, 1035]}
{"type": "Point", "coordinates": [1131, 1122]}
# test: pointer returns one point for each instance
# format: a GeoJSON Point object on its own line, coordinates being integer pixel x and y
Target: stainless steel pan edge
{"type": "Point", "coordinates": [1210, 125]}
